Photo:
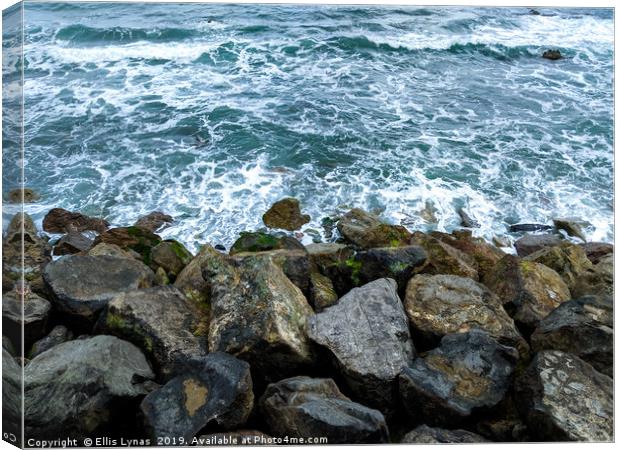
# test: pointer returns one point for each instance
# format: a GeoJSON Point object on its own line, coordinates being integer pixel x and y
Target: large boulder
{"type": "Point", "coordinates": [190, 280]}
{"type": "Point", "coordinates": [131, 238]}
{"type": "Point", "coordinates": [28, 311]}
{"type": "Point", "coordinates": [262, 242]}
{"type": "Point", "coordinates": [424, 434]}
{"type": "Point", "coordinates": [437, 305]}
{"type": "Point", "coordinates": [368, 333]}
{"type": "Point", "coordinates": [531, 243]}
{"type": "Point", "coordinates": [83, 387]}
{"type": "Point", "coordinates": [528, 290]}
{"type": "Point", "coordinates": [365, 231]}
{"type": "Point", "coordinates": [596, 250]}
{"type": "Point", "coordinates": [568, 260]}
{"type": "Point", "coordinates": [71, 243]}
{"type": "Point", "coordinates": [170, 255]}
{"type": "Point", "coordinates": [599, 280]}
{"type": "Point", "coordinates": [58, 335]}
{"type": "Point", "coordinates": [12, 411]}
{"type": "Point", "coordinates": [335, 261]}
{"type": "Point", "coordinates": [103, 249]}
{"type": "Point", "coordinates": [82, 285]}
{"type": "Point", "coordinates": [442, 258]}
{"type": "Point", "coordinates": [285, 214]}
{"type": "Point", "coordinates": [59, 220]}
{"type": "Point", "coordinates": [258, 315]}
{"type": "Point", "coordinates": [468, 374]}
{"type": "Point", "coordinates": [304, 407]}
{"type": "Point", "coordinates": [162, 322]}
{"type": "Point", "coordinates": [486, 255]}
{"type": "Point", "coordinates": [322, 293]}
{"type": "Point", "coordinates": [583, 327]}
{"type": "Point", "coordinates": [563, 398]}
{"type": "Point", "coordinates": [154, 221]}
{"type": "Point", "coordinates": [219, 391]}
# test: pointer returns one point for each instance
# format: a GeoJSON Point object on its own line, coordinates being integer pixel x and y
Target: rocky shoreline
{"type": "Point", "coordinates": [384, 335]}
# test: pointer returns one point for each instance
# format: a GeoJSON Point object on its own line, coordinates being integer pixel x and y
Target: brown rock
{"type": "Point", "coordinates": [365, 230]}
{"type": "Point", "coordinates": [132, 238]}
{"type": "Point", "coordinates": [442, 258]}
{"type": "Point", "coordinates": [531, 243]}
{"type": "Point", "coordinates": [25, 195]}
{"type": "Point", "coordinates": [72, 242]}
{"type": "Point", "coordinates": [322, 293]}
{"type": "Point", "coordinates": [568, 260]}
{"type": "Point", "coordinates": [285, 214]}
{"type": "Point", "coordinates": [60, 220]}
{"type": "Point", "coordinates": [154, 221]}
{"type": "Point", "coordinates": [596, 250]}
{"type": "Point", "coordinates": [485, 254]}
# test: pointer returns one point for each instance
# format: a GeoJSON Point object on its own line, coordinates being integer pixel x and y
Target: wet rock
{"type": "Point", "coordinates": [25, 195]}
{"type": "Point", "coordinates": [365, 230]}
{"type": "Point", "coordinates": [80, 388]}
{"type": "Point", "coordinates": [260, 242]}
{"type": "Point", "coordinates": [572, 227]}
{"type": "Point", "coordinates": [322, 293]}
{"type": "Point", "coordinates": [221, 391]}
{"type": "Point", "coordinates": [172, 256]}
{"type": "Point", "coordinates": [160, 321]}
{"type": "Point", "coordinates": [101, 278]}
{"type": "Point", "coordinates": [190, 280]}
{"type": "Point", "coordinates": [442, 258]}
{"type": "Point", "coordinates": [529, 227]}
{"type": "Point", "coordinates": [469, 373]}
{"type": "Point", "coordinates": [484, 254]}
{"type": "Point", "coordinates": [285, 214]}
{"type": "Point", "coordinates": [528, 290]}
{"type": "Point", "coordinates": [553, 55]}
{"type": "Point", "coordinates": [104, 249]}
{"type": "Point", "coordinates": [28, 310]}
{"type": "Point", "coordinates": [568, 260]}
{"type": "Point", "coordinates": [597, 281]}
{"type": "Point", "coordinates": [466, 220]}
{"type": "Point", "coordinates": [424, 434]}
{"type": "Point", "coordinates": [71, 243]}
{"type": "Point", "coordinates": [596, 250]}
{"type": "Point", "coordinates": [306, 407]}
{"type": "Point", "coordinates": [501, 241]}
{"type": "Point", "coordinates": [258, 315]}
{"type": "Point", "coordinates": [154, 221]}
{"type": "Point", "coordinates": [58, 335]}
{"type": "Point", "coordinates": [335, 261]}
{"type": "Point", "coordinates": [563, 398]}
{"type": "Point", "coordinates": [583, 327]}
{"type": "Point", "coordinates": [59, 220]}
{"type": "Point", "coordinates": [429, 213]}
{"type": "Point", "coordinates": [531, 243]}
{"type": "Point", "coordinates": [131, 238]}
{"type": "Point", "coordinates": [368, 333]}
{"type": "Point", "coordinates": [437, 305]}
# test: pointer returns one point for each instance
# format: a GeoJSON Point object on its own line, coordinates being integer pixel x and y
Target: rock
{"type": "Point", "coordinates": [335, 261]}
{"type": "Point", "coordinates": [220, 248]}
{"type": "Point", "coordinates": [469, 373]}
{"type": "Point", "coordinates": [424, 434]}
{"type": "Point", "coordinates": [260, 242]}
{"type": "Point", "coordinates": [82, 387]}
{"type": "Point", "coordinates": [170, 255]}
{"type": "Point", "coordinates": [571, 226]}
{"type": "Point", "coordinates": [365, 230]}
{"type": "Point", "coordinates": [18, 222]}
{"type": "Point", "coordinates": [521, 227]}
{"type": "Point", "coordinates": [533, 12]}
{"type": "Point", "coordinates": [466, 220]}
{"type": "Point", "coordinates": [329, 225]}
{"type": "Point", "coordinates": [552, 55]}
{"type": "Point", "coordinates": [131, 238]}
{"type": "Point", "coordinates": [322, 293]}
{"type": "Point", "coordinates": [58, 335]}
{"type": "Point", "coordinates": [161, 322]}
{"type": "Point", "coordinates": [190, 280]}
{"type": "Point", "coordinates": [161, 278]}
{"type": "Point", "coordinates": [59, 220]}
{"type": "Point", "coordinates": [285, 214]}
{"type": "Point", "coordinates": [12, 411]}
{"type": "Point", "coordinates": [258, 315]}
{"type": "Point", "coordinates": [501, 241]}
{"type": "Point", "coordinates": [304, 407]}
{"type": "Point", "coordinates": [101, 278]}
{"type": "Point", "coordinates": [531, 243]}
{"type": "Point", "coordinates": [25, 195]}
{"type": "Point", "coordinates": [239, 437]}
{"type": "Point", "coordinates": [8, 345]}
{"type": "Point", "coordinates": [154, 221]}
{"type": "Point", "coordinates": [442, 258]}
{"type": "Point", "coordinates": [563, 398]}
{"type": "Point", "coordinates": [596, 281]}
{"type": "Point", "coordinates": [72, 242]}
{"type": "Point", "coordinates": [32, 313]}
{"type": "Point", "coordinates": [583, 327]}
{"type": "Point", "coordinates": [104, 249]}
{"type": "Point", "coordinates": [596, 250]}
{"type": "Point", "coordinates": [528, 290]}
{"type": "Point", "coordinates": [484, 254]}
{"type": "Point", "coordinates": [429, 213]}
{"type": "Point", "coordinates": [221, 391]}
{"type": "Point", "coordinates": [438, 305]}
{"type": "Point", "coordinates": [368, 333]}
{"type": "Point", "coordinates": [568, 260]}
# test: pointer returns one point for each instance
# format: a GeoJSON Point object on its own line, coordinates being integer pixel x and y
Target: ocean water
{"type": "Point", "coordinates": [211, 113]}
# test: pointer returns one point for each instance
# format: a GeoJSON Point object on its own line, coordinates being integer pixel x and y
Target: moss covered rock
{"type": "Point", "coordinates": [170, 255]}
{"type": "Point", "coordinates": [261, 242]}
{"type": "Point", "coordinates": [365, 230]}
{"type": "Point", "coordinates": [568, 260]}
{"type": "Point", "coordinates": [322, 292]}
{"type": "Point", "coordinates": [132, 238]}
{"type": "Point", "coordinates": [442, 258]}
{"type": "Point", "coordinates": [285, 214]}
{"type": "Point", "coordinates": [597, 281]}
{"type": "Point", "coordinates": [190, 280]}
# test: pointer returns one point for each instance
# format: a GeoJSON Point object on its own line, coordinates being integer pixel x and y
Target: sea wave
{"type": "Point", "coordinates": [82, 34]}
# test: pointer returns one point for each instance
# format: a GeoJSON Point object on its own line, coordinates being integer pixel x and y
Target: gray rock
{"type": "Point", "coordinates": [32, 313]}
{"type": "Point", "coordinates": [221, 391]}
{"type": "Point", "coordinates": [190, 280]}
{"type": "Point", "coordinates": [531, 243]}
{"type": "Point", "coordinates": [103, 249]}
{"type": "Point", "coordinates": [599, 280]}
{"type": "Point", "coordinates": [76, 389]}
{"type": "Point", "coordinates": [469, 373]}
{"type": "Point", "coordinates": [162, 322]}
{"type": "Point", "coordinates": [170, 255]}
{"type": "Point", "coordinates": [11, 395]}
{"type": "Point", "coordinates": [83, 285]}
{"type": "Point", "coordinates": [58, 335]}
{"type": "Point", "coordinates": [7, 345]}
{"type": "Point", "coordinates": [563, 398]}
{"type": "Point", "coordinates": [596, 250]}
{"type": "Point", "coordinates": [520, 227]}
{"type": "Point", "coordinates": [368, 333]}
{"type": "Point", "coordinates": [306, 407]}
{"type": "Point", "coordinates": [71, 243]}
{"type": "Point", "coordinates": [466, 220]}
{"type": "Point", "coordinates": [424, 434]}
{"type": "Point", "coordinates": [571, 226]}
{"type": "Point", "coordinates": [365, 230]}
{"type": "Point", "coordinates": [398, 263]}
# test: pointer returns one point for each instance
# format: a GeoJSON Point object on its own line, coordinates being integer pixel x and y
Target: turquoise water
{"type": "Point", "coordinates": [212, 112]}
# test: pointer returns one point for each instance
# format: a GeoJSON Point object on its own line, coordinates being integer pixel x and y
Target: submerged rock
{"type": "Point", "coordinates": [571, 226]}
{"type": "Point", "coordinates": [131, 238]}
{"type": "Point", "coordinates": [59, 220]}
{"type": "Point", "coordinates": [58, 335]}
{"type": "Point", "coordinates": [365, 230]}
{"type": "Point", "coordinates": [260, 242]}
{"type": "Point", "coordinates": [529, 227]}
{"type": "Point", "coordinates": [466, 220]}
{"type": "Point", "coordinates": [468, 373]}
{"type": "Point", "coordinates": [368, 333]}
{"type": "Point", "coordinates": [306, 407]}
{"type": "Point", "coordinates": [170, 255]}
{"type": "Point", "coordinates": [32, 313]}
{"type": "Point", "coordinates": [154, 221]}
{"type": "Point", "coordinates": [531, 243]}
{"type": "Point", "coordinates": [424, 434]}
{"type": "Point", "coordinates": [72, 242]}
{"type": "Point", "coordinates": [77, 389]}
{"type": "Point", "coordinates": [442, 258]}
{"type": "Point", "coordinates": [220, 391]}
{"type": "Point", "coordinates": [285, 214]}
{"type": "Point", "coordinates": [568, 260]}
{"type": "Point", "coordinates": [552, 55]}
{"type": "Point", "coordinates": [563, 398]}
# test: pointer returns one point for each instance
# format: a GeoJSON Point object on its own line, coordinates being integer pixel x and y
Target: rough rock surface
{"type": "Point", "coordinates": [72, 242]}
{"type": "Point", "coordinates": [261, 242]}
{"type": "Point", "coordinates": [597, 281]}
{"type": "Point", "coordinates": [190, 280]}
{"type": "Point", "coordinates": [170, 255]}
{"type": "Point", "coordinates": [531, 243]}
{"type": "Point", "coordinates": [583, 327]}
{"type": "Point", "coordinates": [365, 230]}
{"type": "Point", "coordinates": [285, 214]}
{"type": "Point", "coordinates": [11, 394]}
{"type": "Point", "coordinates": [398, 263]}
{"type": "Point", "coordinates": [336, 262]}
{"type": "Point", "coordinates": [568, 260]}
{"type": "Point", "coordinates": [442, 258]}
{"type": "Point", "coordinates": [137, 239]}
{"type": "Point", "coordinates": [25, 195]}
{"type": "Point", "coordinates": [563, 398]}
{"type": "Point", "coordinates": [220, 391]}
{"type": "Point", "coordinates": [58, 335]}
{"type": "Point", "coordinates": [162, 322]}
{"type": "Point", "coordinates": [309, 407]}
{"type": "Point", "coordinates": [596, 250]}
{"type": "Point", "coordinates": [322, 293]}
{"type": "Point", "coordinates": [59, 220]}
{"type": "Point", "coordinates": [368, 333]}
{"type": "Point", "coordinates": [71, 389]}
{"type": "Point", "coordinates": [33, 313]}
{"type": "Point", "coordinates": [486, 255]}
{"type": "Point", "coordinates": [438, 305]}
{"type": "Point", "coordinates": [467, 374]}
{"type": "Point", "coordinates": [424, 434]}
{"type": "Point", "coordinates": [571, 226]}
{"type": "Point", "coordinates": [154, 221]}
{"type": "Point", "coordinates": [103, 249]}
{"type": "Point", "coordinates": [83, 285]}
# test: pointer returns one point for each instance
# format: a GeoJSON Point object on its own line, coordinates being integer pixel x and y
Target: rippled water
{"type": "Point", "coordinates": [212, 112]}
